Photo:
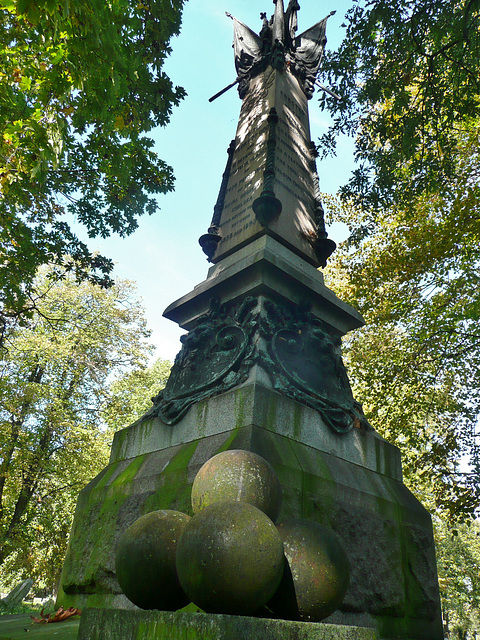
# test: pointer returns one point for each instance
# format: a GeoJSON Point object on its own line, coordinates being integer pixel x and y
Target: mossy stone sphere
{"type": "Point", "coordinates": [317, 572]}
{"type": "Point", "coordinates": [230, 558]}
{"type": "Point", "coordinates": [145, 563]}
{"type": "Point", "coordinates": [238, 475]}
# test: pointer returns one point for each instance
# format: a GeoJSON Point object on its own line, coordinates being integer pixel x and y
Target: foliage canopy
{"type": "Point", "coordinates": [407, 74]}
{"type": "Point", "coordinates": [407, 71]}
{"type": "Point", "coordinates": [458, 558]}
{"type": "Point", "coordinates": [416, 364]}
{"type": "Point", "coordinates": [131, 394]}
{"type": "Point", "coordinates": [81, 83]}
{"type": "Point", "coordinates": [55, 374]}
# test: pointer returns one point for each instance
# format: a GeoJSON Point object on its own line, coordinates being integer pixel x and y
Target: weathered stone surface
{"type": "Point", "coordinates": [318, 574]}
{"type": "Point", "coordinates": [111, 503]}
{"type": "Point", "coordinates": [100, 624]}
{"type": "Point", "coordinates": [145, 562]}
{"type": "Point", "coordinates": [254, 403]}
{"type": "Point", "coordinates": [293, 183]}
{"type": "Point", "coordinates": [230, 558]}
{"type": "Point", "coordinates": [265, 267]}
{"type": "Point", "coordinates": [299, 353]}
{"type": "Point", "coordinates": [238, 475]}
{"type": "Point", "coordinates": [16, 595]}
{"type": "Point", "coordinates": [351, 484]}
{"type": "Point", "coordinates": [421, 593]}
{"type": "Point", "coordinates": [379, 591]}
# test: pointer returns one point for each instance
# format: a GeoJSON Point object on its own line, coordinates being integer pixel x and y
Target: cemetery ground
{"type": "Point", "coordinates": [18, 626]}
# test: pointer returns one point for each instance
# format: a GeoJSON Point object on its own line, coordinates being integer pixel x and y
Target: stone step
{"type": "Point", "coordinates": [110, 624]}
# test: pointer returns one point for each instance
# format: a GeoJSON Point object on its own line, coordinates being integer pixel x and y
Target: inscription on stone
{"type": "Point", "coordinates": [293, 183]}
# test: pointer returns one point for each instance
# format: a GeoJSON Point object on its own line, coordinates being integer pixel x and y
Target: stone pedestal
{"type": "Point", "coordinates": [265, 267]}
{"type": "Point", "coordinates": [352, 483]}
{"type": "Point", "coordinates": [99, 624]}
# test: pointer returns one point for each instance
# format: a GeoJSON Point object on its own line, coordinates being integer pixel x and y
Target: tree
{"type": "Point", "coordinates": [407, 71]}
{"type": "Point", "coordinates": [407, 74]}
{"type": "Point", "coordinates": [131, 394]}
{"type": "Point", "coordinates": [458, 556]}
{"type": "Point", "coordinates": [54, 382]}
{"type": "Point", "coordinates": [81, 83]}
{"type": "Point", "coordinates": [416, 365]}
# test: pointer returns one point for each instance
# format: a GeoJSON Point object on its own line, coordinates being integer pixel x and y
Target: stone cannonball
{"type": "Point", "coordinates": [230, 558]}
{"type": "Point", "coordinates": [145, 563]}
{"type": "Point", "coordinates": [238, 475]}
{"type": "Point", "coordinates": [316, 575]}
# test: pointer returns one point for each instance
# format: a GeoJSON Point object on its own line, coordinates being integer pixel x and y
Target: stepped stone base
{"type": "Point", "coordinates": [350, 483]}
{"type": "Point", "coordinates": [101, 624]}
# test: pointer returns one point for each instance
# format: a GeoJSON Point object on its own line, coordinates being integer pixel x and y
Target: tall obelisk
{"type": "Point", "coordinates": [271, 184]}
{"type": "Point", "coordinates": [260, 369]}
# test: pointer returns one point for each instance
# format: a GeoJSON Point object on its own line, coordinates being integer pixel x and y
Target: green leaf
{"type": "Point", "coordinates": [54, 384]}
{"type": "Point", "coordinates": [23, 6]}
{"type": "Point", "coordinates": [57, 131]}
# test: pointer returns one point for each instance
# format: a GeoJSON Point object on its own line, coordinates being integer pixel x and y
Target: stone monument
{"type": "Point", "coordinates": [260, 369]}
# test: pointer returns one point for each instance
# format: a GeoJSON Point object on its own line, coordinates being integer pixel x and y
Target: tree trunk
{"type": "Point", "coordinates": [17, 423]}
{"type": "Point", "coordinates": [32, 474]}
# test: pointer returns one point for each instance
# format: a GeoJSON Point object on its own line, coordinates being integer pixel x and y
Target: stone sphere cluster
{"type": "Point", "coordinates": [230, 557]}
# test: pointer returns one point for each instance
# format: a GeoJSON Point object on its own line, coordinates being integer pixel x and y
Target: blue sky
{"type": "Point", "coordinates": [163, 256]}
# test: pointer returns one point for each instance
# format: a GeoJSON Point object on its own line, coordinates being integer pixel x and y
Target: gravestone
{"type": "Point", "coordinates": [260, 369]}
{"type": "Point", "coordinates": [16, 595]}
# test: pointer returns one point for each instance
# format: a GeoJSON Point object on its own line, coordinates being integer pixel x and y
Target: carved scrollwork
{"type": "Point", "coordinates": [303, 358]}
{"type": "Point", "coordinates": [299, 352]}
{"type": "Point", "coordinates": [230, 338]}
{"type": "Point", "coordinates": [214, 357]}
{"type": "Point", "coordinates": [287, 341]}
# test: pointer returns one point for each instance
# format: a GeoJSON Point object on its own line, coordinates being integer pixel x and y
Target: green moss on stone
{"type": "Point", "coordinates": [272, 414]}
{"type": "Point", "coordinates": [240, 408]}
{"type": "Point", "coordinates": [82, 600]}
{"type": "Point", "coordinates": [389, 627]}
{"type": "Point", "coordinates": [94, 534]}
{"type": "Point", "coordinates": [118, 446]}
{"type": "Point", "coordinates": [174, 493]}
{"type": "Point", "coordinates": [228, 442]}
{"type": "Point", "coordinates": [161, 630]}
{"type": "Point", "coordinates": [311, 460]}
{"type": "Point", "coordinates": [278, 450]}
{"type": "Point", "coordinates": [180, 461]}
{"type": "Point", "coordinates": [129, 473]}
{"type": "Point", "coordinates": [158, 625]}
{"type": "Point", "coordinates": [317, 491]}
{"type": "Point", "coordinates": [173, 490]}
{"type": "Point", "coordinates": [200, 422]}
{"type": "Point", "coordinates": [105, 476]}
{"type": "Point", "coordinates": [297, 421]}
{"type": "Point", "coordinates": [101, 543]}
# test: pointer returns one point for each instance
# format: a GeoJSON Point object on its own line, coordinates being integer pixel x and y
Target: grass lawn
{"type": "Point", "coordinates": [16, 627]}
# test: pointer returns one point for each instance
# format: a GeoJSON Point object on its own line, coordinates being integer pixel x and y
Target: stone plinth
{"type": "Point", "coordinates": [351, 483]}
{"type": "Point", "coordinates": [98, 624]}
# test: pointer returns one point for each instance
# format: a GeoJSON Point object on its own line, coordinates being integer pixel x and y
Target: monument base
{"type": "Point", "coordinates": [111, 624]}
{"type": "Point", "coordinates": [352, 484]}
